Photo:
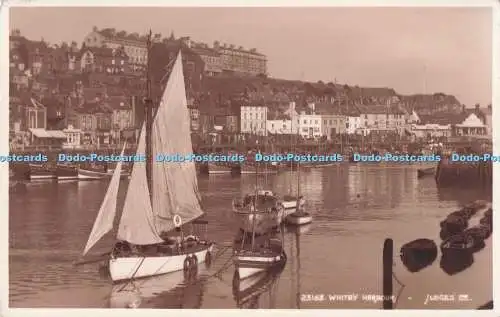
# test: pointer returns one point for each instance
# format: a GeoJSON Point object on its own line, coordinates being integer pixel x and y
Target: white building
{"type": "Point", "coordinates": [310, 124]}
{"type": "Point", "coordinates": [253, 119]}
{"type": "Point", "coordinates": [73, 138]}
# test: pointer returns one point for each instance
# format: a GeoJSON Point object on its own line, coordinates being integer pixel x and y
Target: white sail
{"type": "Point", "coordinates": [137, 222]}
{"type": "Point", "coordinates": [106, 215]}
{"type": "Point", "coordinates": [175, 183]}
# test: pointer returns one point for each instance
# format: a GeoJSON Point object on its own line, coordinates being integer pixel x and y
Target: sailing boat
{"type": "Point", "coordinates": [300, 216]}
{"type": "Point", "coordinates": [263, 254]}
{"type": "Point", "coordinates": [290, 203]}
{"type": "Point", "coordinates": [160, 197]}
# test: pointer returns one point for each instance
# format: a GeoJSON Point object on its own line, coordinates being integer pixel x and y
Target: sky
{"type": "Point", "coordinates": [413, 50]}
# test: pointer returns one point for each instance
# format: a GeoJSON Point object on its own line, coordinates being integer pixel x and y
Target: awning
{"type": "Point", "coordinates": [53, 134]}
{"type": "Point", "coordinates": [56, 134]}
{"type": "Point", "coordinates": [40, 133]}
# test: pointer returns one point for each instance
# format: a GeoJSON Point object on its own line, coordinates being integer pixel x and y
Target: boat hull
{"type": "Point", "coordinates": [219, 169]}
{"type": "Point", "coordinates": [128, 268]}
{"type": "Point", "coordinates": [248, 266]}
{"type": "Point", "coordinates": [41, 173]}
{"type": "Point", "coordinates": [298, 220]}
{"type": "Point", "coordinates": [264, 221]}
{"type": "Point", "coordinates": [84, 174]}
{"type": "Point", "coordinates": [66, 173]}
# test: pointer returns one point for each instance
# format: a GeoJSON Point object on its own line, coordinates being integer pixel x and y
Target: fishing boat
{"type": "Point", "coordinates": [88, 174]}
{"type": "Point", "coordinates": [41, 172]}
{"type": "Point", "coordinates": [162, 200]}
{"type": "Point", "coordinates": [214, 168]}
{"type": "Point", "coordinates": [262, 254]}
{"type": "Point", "coordinates": [259, 212]}
{"type": "Point", "coordinates": [66, 172]}
{"type": "Point", "coordinates": [422, 172]}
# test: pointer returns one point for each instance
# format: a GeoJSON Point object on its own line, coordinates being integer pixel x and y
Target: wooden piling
{"type": "Point", "coordinates": [388, 254]}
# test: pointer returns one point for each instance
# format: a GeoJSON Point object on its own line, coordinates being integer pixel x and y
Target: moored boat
{"type": "Point", "coordinates": [157, 209]}
{"type": "Point", "coordinates": [259, 212]}
{"type": "Point", "coordinates": [214, 168]}
{"type": "Point", "coordinates": [88, 174]}
{"type": "Point", "coordinates": [41, 172]}
{"type": "Point", "coordinates": [66, 172]}
{"type": "Point", "coordinates": [258, 256]}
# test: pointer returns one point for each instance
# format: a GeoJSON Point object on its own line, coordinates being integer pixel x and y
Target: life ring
{"type": "Point", "coordinates": [177, 221]}
{"type": "Point", "coordinates": [187, 264]}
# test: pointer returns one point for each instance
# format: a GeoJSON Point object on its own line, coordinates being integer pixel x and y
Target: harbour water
{"type": "Point", "coordinates": [355, 207]}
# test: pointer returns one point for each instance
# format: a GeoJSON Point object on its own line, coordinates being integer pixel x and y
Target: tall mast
{"type": "Point", "coordinates": [149, 108]}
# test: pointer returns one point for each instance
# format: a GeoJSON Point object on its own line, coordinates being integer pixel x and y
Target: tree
{"type": "Point", "coordinates": [121, 34]}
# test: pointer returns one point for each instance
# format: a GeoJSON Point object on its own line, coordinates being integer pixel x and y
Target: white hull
{"type": "Point", "coordinates": [219, 172]}
{"type": "Point", "coordinates": [67, 177]}
{"type": "Point", "coordinates": [248, 266]}
{"type": "Point", "coordinates": [137, 267]}
{"type": "Point", "coordinates": [92, 177]}
{"type": "Point", "coordinates": [37, 177]}
{"type": "Point", "coordinates": [302, 220]}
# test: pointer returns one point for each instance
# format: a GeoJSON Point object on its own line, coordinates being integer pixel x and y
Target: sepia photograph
{"type": "Point", "coordinates": [250, 157]}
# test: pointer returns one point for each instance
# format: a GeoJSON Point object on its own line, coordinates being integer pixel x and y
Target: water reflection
{"type": "Point", "coordinates": [173, 290]}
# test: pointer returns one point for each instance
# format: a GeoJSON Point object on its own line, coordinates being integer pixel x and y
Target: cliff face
{"type": "Point", "coordinates": [430, 104]}
{"type": "Point", "coordinates": [270, 89]}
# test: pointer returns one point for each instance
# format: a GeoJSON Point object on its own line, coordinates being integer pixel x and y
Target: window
{"type": "Point", "coordinates": [112, 62]}
{"type": "Point", "coordinates": [122, 62]}
{"type": "Point", "coordinates": [315, 121]}
{"type": "Point", "coordinates": [305, 121]}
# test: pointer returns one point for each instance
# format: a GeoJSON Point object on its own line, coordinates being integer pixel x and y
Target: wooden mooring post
{"type": "Point", "coordinates": [387, 283]}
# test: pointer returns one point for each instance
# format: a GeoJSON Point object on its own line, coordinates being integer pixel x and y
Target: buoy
{"type": "Point", "coordinates": [177, 221]}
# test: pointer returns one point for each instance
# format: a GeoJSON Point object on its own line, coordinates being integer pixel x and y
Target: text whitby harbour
{"type": "Point", "coordinates": [168, 168]}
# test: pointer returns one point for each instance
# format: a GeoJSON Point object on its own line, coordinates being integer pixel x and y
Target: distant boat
{"type": "Point", "coordinates": [41, 172]}
{"type": "Point", "coordinates": [160, 197]}
{"type": "Point", "coordinates": [214, 168]}
{"type": "Point", "coordinates": [88, 174]}
{"type": "Point", "coordinates": [66, 172]}
{"type": "Point", "coordinates": [422, 172]}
